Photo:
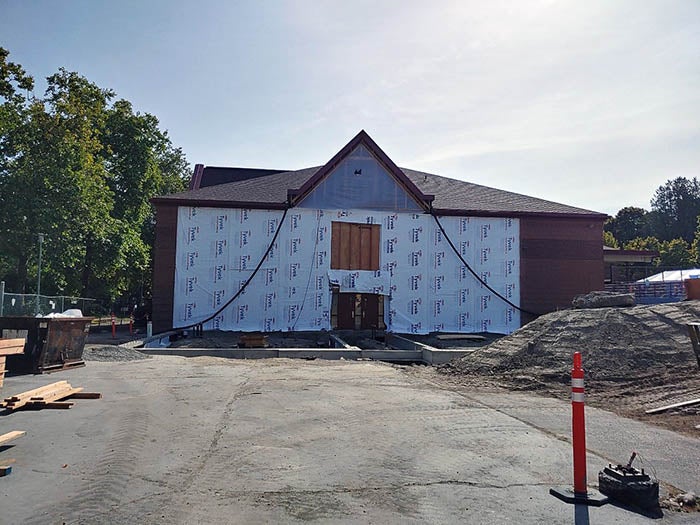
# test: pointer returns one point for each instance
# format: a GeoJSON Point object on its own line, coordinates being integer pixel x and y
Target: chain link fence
{"type": "Point", "coordinates": [16, 304]}
{"type": "Point", "coordinates": [30, 305]}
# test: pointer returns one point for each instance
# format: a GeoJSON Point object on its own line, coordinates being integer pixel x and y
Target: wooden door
{"type": "Point", "coordinates": [346, 311]}
{"type": "Point", "coordinates": [370, 311]}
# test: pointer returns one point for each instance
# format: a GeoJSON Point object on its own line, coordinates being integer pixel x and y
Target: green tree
{"type": "Point", "coordinates": [695, 247]}
{"type": "Point", "coordinates": [609, 240]}
{"type": "Point", "coordinates": [675, 254]}
{"type": "Point", "coordinates": [16, 232]}
{"type": "Point", "coordinates": [629, 223]}
{"type": "Point", "coordinates": [644, 243]}
{"type": "Point", "coordinates": [677, 205]}
{"type": "Point", "coordinates": [142, 163]}
{"type": "Point", "coordinates": [81, 170]}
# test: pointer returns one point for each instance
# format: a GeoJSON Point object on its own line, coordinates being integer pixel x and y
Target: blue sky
{"type": "Point", "coordinates": [593, 104]}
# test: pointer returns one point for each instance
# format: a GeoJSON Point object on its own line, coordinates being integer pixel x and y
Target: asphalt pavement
{"type": "Point", "coordinates": [209, 440]}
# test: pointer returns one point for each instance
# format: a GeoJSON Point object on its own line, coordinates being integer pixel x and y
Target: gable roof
{"type": "Point", "coordinates": [443, 195]}
{"type": "Point", "coordinates": [362, 138]}
{"type": "Point", "coordinates": [214, 175]}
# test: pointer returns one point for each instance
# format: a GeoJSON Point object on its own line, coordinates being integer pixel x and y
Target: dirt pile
{"type": "Point", "coordinates": [617, 344]}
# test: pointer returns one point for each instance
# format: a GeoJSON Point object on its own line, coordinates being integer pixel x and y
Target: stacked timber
{"type": "Point", "coordinates": [253, 340]}
{"type": "Point", "coordinates": [9, 347]}
{"type": "Point", "coordinates": [54, 395]}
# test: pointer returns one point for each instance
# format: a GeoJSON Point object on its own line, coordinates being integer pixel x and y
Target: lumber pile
{"type": "Point", "coordinates": [253, 340]}
{"type": "Point", "coordinates": [54, 395]}
{"type": "Point", "coordinates": [9, 347]}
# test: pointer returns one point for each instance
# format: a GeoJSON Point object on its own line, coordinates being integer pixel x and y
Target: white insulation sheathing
{"type": "Point", "coordinates": [426, 287]}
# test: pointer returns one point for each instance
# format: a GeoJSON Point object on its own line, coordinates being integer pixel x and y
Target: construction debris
{"type": "Point", "coordinates": [631, 486]}
{"type": "Point", "coordinates": [49, 396]}
{"type": "Point", "coordinates": [460, 337]}
{"type": "Point", "coordinates": [253, 340]}
{"type": "Point", "coordinates": [603, 300]}
{"type": "Point", "coordinates": [674, 405]}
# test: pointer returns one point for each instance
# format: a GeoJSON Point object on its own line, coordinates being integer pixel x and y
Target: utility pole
{"type": "Point", "coordinates": [38, 275]}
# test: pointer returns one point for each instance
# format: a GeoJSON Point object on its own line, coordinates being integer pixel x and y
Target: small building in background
{"type": "Point", "coordinates": [626, 266]}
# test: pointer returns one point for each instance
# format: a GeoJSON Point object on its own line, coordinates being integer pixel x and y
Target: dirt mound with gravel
{"type": "Point", "coordinates": [112, 353]}
{"type": "Point", "coordinates": [617, 344]}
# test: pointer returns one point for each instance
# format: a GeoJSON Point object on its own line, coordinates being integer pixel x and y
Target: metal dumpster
{"type": "Point", "coordinates": [52, 343]}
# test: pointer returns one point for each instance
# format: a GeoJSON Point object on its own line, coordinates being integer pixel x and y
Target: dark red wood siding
{"type": "Point", "coordinates": [164, 267]}
{"type": "Point", "coordinates": [559, 258]}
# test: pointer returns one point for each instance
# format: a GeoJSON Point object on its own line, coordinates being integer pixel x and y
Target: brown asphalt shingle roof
{"type": "Point", "coordinates": [451, 195]}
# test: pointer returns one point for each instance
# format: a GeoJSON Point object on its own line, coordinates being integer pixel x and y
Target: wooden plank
{"type": "Point", "coordinates": [56, 395]}
{"type": "Point", "coordinates": [36, 391]}
{"type": "Point", "coordinates": [374, 248]}
{"type": "Point", "coordinates": [85, 395]}
{"type": "Point", "coordinates": [53, 404]}
{"type": "Point", "coordinates": [674, 405]}
{"type": "Point", "coordinates": [11, 435]}
{"type": "Point", "coordinates": [355, 246]}
{"type": "Point", "coordinates": [365, 247]}
{"type": "Point", "coordinates": [355, 237]}
{"type": "Point", "coordinates": [345, 247]}
{"type": "Point", "coordinates": [457, 337]}
{"type": "Point", "coordinates": [11, 346]}
{"type": "Point", "coordinates": [335, 245]}
{"type": "Point", "coordinates": [51, 393]}
{"type": "Point", "coordinates": [19, 400]}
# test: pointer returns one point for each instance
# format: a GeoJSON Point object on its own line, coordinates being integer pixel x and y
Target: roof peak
{"type": "Point", "coordinates": [295, 196]}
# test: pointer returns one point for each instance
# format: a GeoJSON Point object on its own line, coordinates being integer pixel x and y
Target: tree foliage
{"type": "Point", "coordinates": [609, 240]}
{"type": "Point", "coordinates": [629, 223]}
{"type": "Point", "coordinates": [80, 169]}
{"type": "Point", "coordinates": [672, 227]}
{"type": "Point", "coordinates": [677, 206]}
{"type": "Point", "coordinates": [644, 243]}
{"type": "Point", "coordinates": [676, 254]}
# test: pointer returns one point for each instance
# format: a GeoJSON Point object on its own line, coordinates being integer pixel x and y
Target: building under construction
{"type": "Point", "coordinates": [360, 243]}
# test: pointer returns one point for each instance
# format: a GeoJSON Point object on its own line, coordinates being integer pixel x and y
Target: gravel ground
{"type": "Point", "coordinates": [112, 353]}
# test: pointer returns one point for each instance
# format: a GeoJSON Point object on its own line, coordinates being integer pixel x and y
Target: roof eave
{"type": "Point", "coordinates": [208, 203]}
{"type": "Point", "coordinates": [515, 214]}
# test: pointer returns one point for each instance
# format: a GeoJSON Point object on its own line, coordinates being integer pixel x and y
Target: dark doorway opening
{"type": "Point", "coordinates": [357, 311]}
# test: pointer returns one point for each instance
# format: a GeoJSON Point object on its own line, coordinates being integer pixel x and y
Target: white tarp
{"type": "Point", "coordinates": [428, 288]}
{"type": "Point", "coordinates": [672, 276]}
{"type": "Point", "coordinates": [361, 281]}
